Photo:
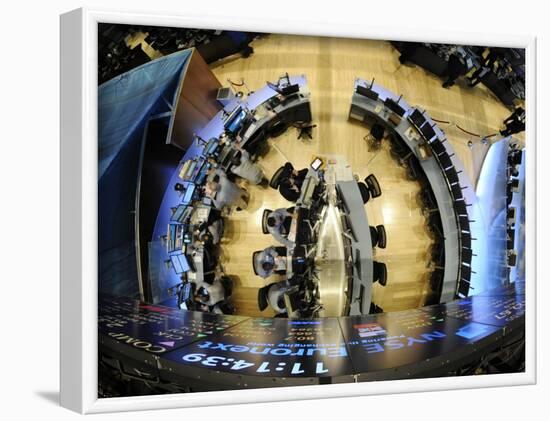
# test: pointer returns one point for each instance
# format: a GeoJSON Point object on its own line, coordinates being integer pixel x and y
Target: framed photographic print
{"type": "Point", "coordinates": [301, 211]}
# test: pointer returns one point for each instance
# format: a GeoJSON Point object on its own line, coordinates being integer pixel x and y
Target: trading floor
{"type": "Point", "coordinates": [279, 210]}
{"type": "Point", "coordinates": [331, 66]}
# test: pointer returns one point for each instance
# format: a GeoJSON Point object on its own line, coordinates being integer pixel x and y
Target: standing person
{"type": "Point", "coordinates": [244, 167]}
{"type": "Point", "coordinates": [515, 123]}
{"type": "Point", "coordinates": [224, 193]}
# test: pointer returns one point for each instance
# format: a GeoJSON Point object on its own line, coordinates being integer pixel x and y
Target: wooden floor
{"type": "Point", "coordinates": [331, 66]}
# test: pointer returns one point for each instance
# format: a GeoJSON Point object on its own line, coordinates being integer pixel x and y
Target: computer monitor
{"type": "Point", "coordinates": [417, 118]}
{"type": "Point", "coordinates": [316, 164]}
{"type": "Point", "coordinates": [427, 131]}
{"type": "Point", "coordinates": [366, 92]}
{"type": "Point", "coordinates": [188, 196]}
{"type": "Point", "coordinates": [233, 123]}
{"type": "Point", "coordinates": [395, 107]}
{"type": "Point", "coordinates": [179, 214]}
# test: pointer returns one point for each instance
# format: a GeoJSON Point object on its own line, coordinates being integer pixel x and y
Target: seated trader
{"type": "Point", "coordinates": [225, 193]}
{"type": "Point", "coordinates": [290, 182]}
{"type": "Point", "coordinates": [211, 294]}
{"type": "Point", "coordinates": [243, 166]}
{"type": "Point", "coordinates": [210, 233]}
{"type": "Point", "coordinates": [276, 296]}
{"type": "Point", "coordinates": [278, 225]}
{"type": "Point", "coordinates": [271, 260]}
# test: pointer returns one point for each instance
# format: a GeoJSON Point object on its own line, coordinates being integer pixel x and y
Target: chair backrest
{"type": "Point", "coordinates": [256, 253]}
{"type": "Point", "coordinates": [262, 298]}
{"type": "Point", "coordinates": [373, 235]}
{"type": "Point", "coordinates": [377, 131]}
{"type": "Point", "coordinates": [365, 194]}
{"type": "Point", "coordinates": [374, 186]}
{"type": "Point", "coordinates": [380, 272]}
{"type": "Point", "coordinates": [265, 215]}
{"type": "Point", "coordinates": [274, 182]}
{"type": "Point", "coordinates": [381, 236]}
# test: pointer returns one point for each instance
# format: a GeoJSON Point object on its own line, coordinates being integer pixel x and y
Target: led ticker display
{"type": "Point", "coordinates": [157, 329]}
{"type": "Point", "coordinates": [273, 347]}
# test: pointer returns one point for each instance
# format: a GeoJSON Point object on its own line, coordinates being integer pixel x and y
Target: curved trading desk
{"type": "Point", "coordinates": [256, 117]}
{"type": "Point", "coordinates": [203, 351]}
{"type": "Point", "coordinates": [445, 175]}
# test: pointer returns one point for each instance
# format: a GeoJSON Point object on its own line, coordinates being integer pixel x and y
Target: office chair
{"type": "Point", "coordinates": [274, 182]}
{"type": "Point", "coordinates": [375, 137]}
{"type": "Point", "coordinates": [381, 236]}
{"type": "Point", "coordinates": [365, 192]}
{"type": "Point", "coordinates": [374, 309]}
{"type": "Point", "coordinates": [262, 297]}
{"type": "Point", "coordinates": [399, 149]}
{"type": "Point", "coordinates": [265, 215]}
{"type": "Point", "coordinates": [373, 235]}
{"type": "Point", "coordinates": [374, 186]}
{"type": "Point", "coordinates": [256, 253]}
{"type": "Point", "coordinates": [380, 273]}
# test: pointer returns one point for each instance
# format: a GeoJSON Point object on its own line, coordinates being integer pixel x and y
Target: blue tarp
{"type": "Point", "coordinates": [125, 104]}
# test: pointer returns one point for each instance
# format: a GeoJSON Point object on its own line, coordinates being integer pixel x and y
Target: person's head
{"type": "Point", "coordinates": [205, 237]}
{"type": "Point", "coordinates": [179, 187]}
{"type": "Point", "coordinates": [212, 187]}
{"type": "Point", "coordinates": [267, 266]}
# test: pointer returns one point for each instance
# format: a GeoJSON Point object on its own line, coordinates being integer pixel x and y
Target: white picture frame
{"type": "Point", "coordinates": [79, 212]}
